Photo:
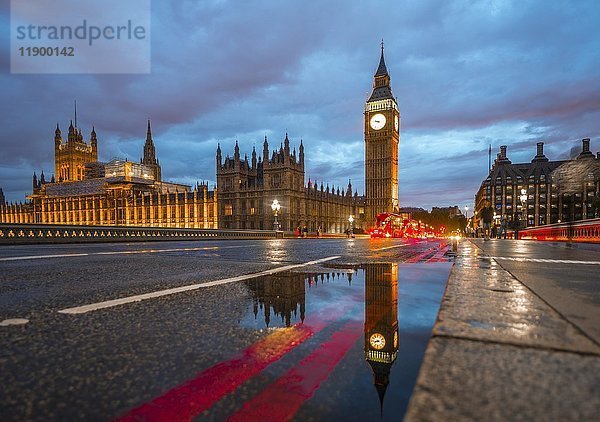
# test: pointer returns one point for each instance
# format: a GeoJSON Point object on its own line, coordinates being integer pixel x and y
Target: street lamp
{"type": "Point", "coordinates": [467, 212]}
{"type": "Point", "coordinates": [523, 199]}
{"type": "Point", "coordinates": [351, 220]}
{"type": "Point", "coordinates": [275, 206]}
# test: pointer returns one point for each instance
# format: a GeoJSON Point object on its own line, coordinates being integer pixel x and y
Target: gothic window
{"type": "Point", "coordinates": [228, 209]}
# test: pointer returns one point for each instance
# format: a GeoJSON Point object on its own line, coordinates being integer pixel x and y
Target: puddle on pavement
{"type": "Point", "coordinates": [368, 329]}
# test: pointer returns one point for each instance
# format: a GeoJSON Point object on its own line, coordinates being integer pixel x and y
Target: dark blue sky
{"type": "Point", "coordinates": [466, 74]}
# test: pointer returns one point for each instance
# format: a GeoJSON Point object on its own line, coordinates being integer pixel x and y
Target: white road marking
{"type": "Point", "coordinates": [392, 247]}
{"type": "Point", "coordinates": [116, 302]}
{"type": "Point", "coordinates": [140, 251]}
{"type": "Point", "coordinates": [551, 261]}
{"type": "Point", "coordinates": [13, 321]}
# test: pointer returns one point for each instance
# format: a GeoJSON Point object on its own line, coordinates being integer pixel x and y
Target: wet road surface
{"type": "Point", "coordinates": [297, 328]}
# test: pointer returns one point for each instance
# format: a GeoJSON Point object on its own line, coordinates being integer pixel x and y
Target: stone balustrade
{"type": "Point", "coordinates": [36, 233]}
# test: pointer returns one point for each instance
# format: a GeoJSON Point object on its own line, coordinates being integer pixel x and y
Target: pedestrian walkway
{"type": "Point", "coordinates": [517, 336]}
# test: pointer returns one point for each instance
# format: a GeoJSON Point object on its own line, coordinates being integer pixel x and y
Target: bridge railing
{"type": "Point", "coordinates": [576, 231]}
{"type": "Point", "coordinates": [38, 233]}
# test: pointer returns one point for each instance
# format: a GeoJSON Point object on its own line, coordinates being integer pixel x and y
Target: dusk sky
{"type": "Point", "coordinates": [466, 74]}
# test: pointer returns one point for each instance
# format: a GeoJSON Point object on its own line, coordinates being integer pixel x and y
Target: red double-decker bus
{"type": "Point", "coordinates": [390, 225]}
{"type": "Point", "coordinates": [398, 225]}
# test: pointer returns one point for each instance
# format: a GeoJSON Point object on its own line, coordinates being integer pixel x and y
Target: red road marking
{"type": "Point", "coordinates": [282, 399]}
{"type": "Point", "coordinates": [422, 255]}
{"type": "Point", "coordinates": [195, 396]}
{"type": "Point", "coordinates": [439, 256]}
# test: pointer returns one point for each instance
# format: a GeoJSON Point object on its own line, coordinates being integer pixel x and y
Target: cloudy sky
{"type": "Point", "coordinates": [466, 74]}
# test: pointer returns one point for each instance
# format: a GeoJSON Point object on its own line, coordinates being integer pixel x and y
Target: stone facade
{"type": "Point", "coordinates": [93, 193]}
{"type": "Point", "coordinates": [118, 193]}
{"type": "Point", "coordinates": [71, 156]}
{"type": "Point", "coordinates": [248, 187]}
{"type": "Point", "coordinates": [548, 196]}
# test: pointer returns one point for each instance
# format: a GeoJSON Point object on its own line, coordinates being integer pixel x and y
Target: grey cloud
{"type": "Point", "coordinates": [222, 70]}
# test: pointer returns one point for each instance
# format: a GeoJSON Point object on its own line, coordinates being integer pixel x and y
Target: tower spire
{"type": "Point", "coordinates": [149, 158]}
{"type": "Point", "coordinates": [149, 133]}
{"type": "Point", "coordinates": [381, 69]}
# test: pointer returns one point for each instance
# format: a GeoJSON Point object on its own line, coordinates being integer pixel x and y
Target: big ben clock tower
{"type": "Point", "coordinates": [382, 136]}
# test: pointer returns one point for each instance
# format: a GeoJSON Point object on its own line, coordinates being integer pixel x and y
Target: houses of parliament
{"type": "Point", "coordinates": [85, 191]}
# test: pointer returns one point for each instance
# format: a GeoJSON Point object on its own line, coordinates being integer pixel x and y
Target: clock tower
{"type": "Point", "coordinates": [382, 136]}
{"type": "Point", "coordinates": [381, 322]}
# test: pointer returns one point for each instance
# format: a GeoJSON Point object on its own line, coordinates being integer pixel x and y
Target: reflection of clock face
{"type": "Point", "coordinates": [378, 121]}
{"type": "Point", "coordinates": [396, 123]}
{"type": "Point", "coordinates": [396, 339]}
{"type": "Point", "coordinates": [377, 341]}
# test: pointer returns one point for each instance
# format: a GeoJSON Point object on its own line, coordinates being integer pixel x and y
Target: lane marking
{"type": "Point", "coordinates": [392, 247]}
{"type": "Point", "coordinates": [137, 298]}
{"type": "Point", "coordinates": [551, 261]}
{"type": "Point", "coordinates": [194, 396]}
{"type": "Point", "coordinates": [13, 321]}
{"type": "Point", "coordinates": [281, 400]}
{"type": "Point", "coordinates": [139, 251]}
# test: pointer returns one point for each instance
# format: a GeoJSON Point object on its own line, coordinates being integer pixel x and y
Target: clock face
{"type": "Point", "coordinates": [377, 121]}
{"type": "Point", "coordinates": [396, 339]}
{"type": "Point", "coordinates": [377, 341]}
{"type": "Point", "coordinates": [396, 123]}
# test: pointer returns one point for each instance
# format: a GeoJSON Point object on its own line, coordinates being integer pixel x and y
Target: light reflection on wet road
{"type": "Point", "coordinates": [324, 316]}
{"type": "Point", "coordinates": [339, 343]}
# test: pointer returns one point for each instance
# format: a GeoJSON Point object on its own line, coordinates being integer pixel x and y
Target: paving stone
{"type": "Point", "coordinates": [501, 352]}
{"type": "Point", "coordinates": [471, 380]}
{"type": "Point", "coordinates": [484, 302]}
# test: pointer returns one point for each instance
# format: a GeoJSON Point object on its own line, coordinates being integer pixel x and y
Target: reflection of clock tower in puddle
{"type": "Point", "coordinates": [382, 136]}
{"type": "Point", "coordinates": [381, 322]}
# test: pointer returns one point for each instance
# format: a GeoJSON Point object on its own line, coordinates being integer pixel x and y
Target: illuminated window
{"type": "Point", "coordinates": [228, 209]}
{"type": "Point", "coordinates": [251, 210]}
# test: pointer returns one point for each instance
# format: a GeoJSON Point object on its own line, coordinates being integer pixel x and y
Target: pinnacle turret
{"type": "Point", "coordinates": [149, 158]}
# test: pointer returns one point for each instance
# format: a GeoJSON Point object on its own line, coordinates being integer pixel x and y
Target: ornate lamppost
{"type": "Point", "coordinates": [275, 206]}
{"type": "Point", "coordinates": [351, 220]}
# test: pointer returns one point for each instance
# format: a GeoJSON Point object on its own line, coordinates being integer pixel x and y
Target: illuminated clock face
{"type": "Point", "coordinates": [377, 341]}
{"type": "Point", "coordinates": [396, 339]}
{"type": "Point", "coordinates": [378, 121]}
{"type": "Point", "coordinates": [396, 123]}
